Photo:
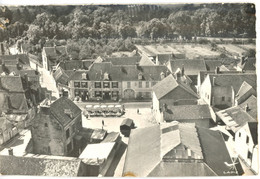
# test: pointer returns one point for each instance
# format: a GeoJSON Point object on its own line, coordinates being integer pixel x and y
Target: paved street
{"type": "Point", "coordinates": [47, 81]}
{"type": "Point", "coordinates": [143, 119]}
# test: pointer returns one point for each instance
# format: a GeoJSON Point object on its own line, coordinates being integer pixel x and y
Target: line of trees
{"type": "Point", "coordinates": [37, 25]}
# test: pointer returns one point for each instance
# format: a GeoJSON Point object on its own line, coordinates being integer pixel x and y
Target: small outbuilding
{"type": "Point", "coordinates": [126, 126]}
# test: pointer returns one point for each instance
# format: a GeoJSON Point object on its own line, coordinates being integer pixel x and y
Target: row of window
{"type": "Point", "coordinates": [140, 84]}
{"type": "Point", "coordinates": [112, 94]}
{"type": "Point", "coordinates": [97, 84]}
{"type": "Point", "coordinates": [113, 84]}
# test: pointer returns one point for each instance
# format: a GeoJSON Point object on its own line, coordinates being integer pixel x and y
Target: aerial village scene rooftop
{"type": "Point", "coordinates": [128, 90]}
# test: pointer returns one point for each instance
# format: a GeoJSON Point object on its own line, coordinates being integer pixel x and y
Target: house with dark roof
{"type": "Point", "coordinates": [201, 115]}
{"type": "Point", "coordinates": [42, 166]}
{"type": "Point", "coordinates": [172, 90]}
{"type": "Point", "coordinates": [192, 67]}
{"type": "Point", "coordinates": [221, 90]}
{"type": "Point", "coordinates": [51, 56]}
{"type": "Point", "coordinates": [177, 149]}
{"type": "Point", "coordinates": [121, 60]}
{"type": "Point", "coordinates": [246, 64]}
{"type": "Point", "coordinates": [55, 128]}
{"type": "Point", "coordinates": [105, 81]}
{"type": "Point", "coordinates": [241, 122]}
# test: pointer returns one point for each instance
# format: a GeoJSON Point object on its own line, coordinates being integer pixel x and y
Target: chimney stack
{"type": "Point", "coordinates": [217, 70]}
{"type": "Point", "coordinates": [10, 151]}
{"type": "Point", "coordinates": [246, 108]}
{"type": "Point", "coordinates": [213, 81]}
{"type": "Point", "coordinates": [164, 107]}
{"type": "Point", "coordinates": [182, 70]}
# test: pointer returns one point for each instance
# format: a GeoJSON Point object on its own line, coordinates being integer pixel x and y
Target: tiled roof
{"type": "Point", "coordinates": [212, 64]}
{"type": "Point", "coordinates": [234, 80]}
{"type": "Point", "coordinates": [245, 91]}
{"type": "Point", "coordinates": [18, 102]}
{"type": "Point", "coordinates": [76, 64]}
{"type": "Point", "coordinates": [165, 169]}
{"type": "Point", "coordinates": [164, 58]}
{"type": "Point", "coordinates": [235, 117]}
{"type": "Point", "coordinates": [123, 60]}
{"type": "Point", "coordinates": [143, 152]}
{"type": "Point", "coordinates": [215, 151]}
{"type": "Point", "coordinates": [11, 83]}
{"type": "Point", "coordinates": [168, 84]}
{"type": "Point", "coordinates": [53, 52]}
{"type": "Point", "coordinates": [191, 67]}
{"type": "Point", "coordinates": [251, 102]}
{"type": "Point", "coordinates": [187, 112]}
{"type": "Point", "coordinates": [22, 58]}
{"type": "Point", "coordinates": [12, 165]}
{"type": "Point", "coordinates": [248, 65]}
{"type": "Point", "coordinates": [5, 124]}
{"type": "Point", "coordinates": [58, 108]}
{"type": "Point", "coordinates": [160, 150]}
{"type": "Point", "coordinates": [120, 73]}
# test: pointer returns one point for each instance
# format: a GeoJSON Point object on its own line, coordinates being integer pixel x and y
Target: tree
{"type": "Point", "coordinates": [127, 31]}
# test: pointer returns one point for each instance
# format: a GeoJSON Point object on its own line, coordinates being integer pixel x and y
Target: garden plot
{"type": "Point", "coordinates": [193, 51]}
{"type": "Point", "coordinates": [236, 50]}
{"type": "Point", "coordinates": [247, 46]}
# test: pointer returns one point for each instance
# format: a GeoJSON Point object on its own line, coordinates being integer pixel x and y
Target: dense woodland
{"type": "Point", "coordinates": [89, 31]}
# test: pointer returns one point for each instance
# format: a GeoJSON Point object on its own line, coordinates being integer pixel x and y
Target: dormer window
{"type": "Point", "coordinates": [162, 75]}
{"type": "Point", "coordinates": [84, 76]}
{"type": "Point", "coordinates": [140, 76]}
{"type": "Point", "coordinates": [69, 113]}
{"type": "Point", "coordinates": [106, 76]}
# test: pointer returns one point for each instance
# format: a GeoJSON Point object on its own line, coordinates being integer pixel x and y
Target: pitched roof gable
{"type": "Point", "coordinates": [11, 83]}
{"type": "Point", "coordinates": [191, 67]}
{"type": "Point", "coordinates": [168, 84]}
{"type": "Point", "coordinates": [53, 52]}
{"type": "Point", "coordinates": [251, 103]}
{"type": "Point", "coordinates": [146, 143]}
{"type": "Point", "coordinates": [234, 80]}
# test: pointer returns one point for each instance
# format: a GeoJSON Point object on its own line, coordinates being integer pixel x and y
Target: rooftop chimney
{"type": "Point", "coordinates": [213, 81]}
{"type": "Point", "coordinates": [182, 70]}
{"type": "Point", "coordinates": [10, 151]}
{"type": "Point", "coordinates": [246, 108]}
{"type": "Point", "coordinates": [217, 70]}
{"type": "Point", "coordinates": [164, 107]}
